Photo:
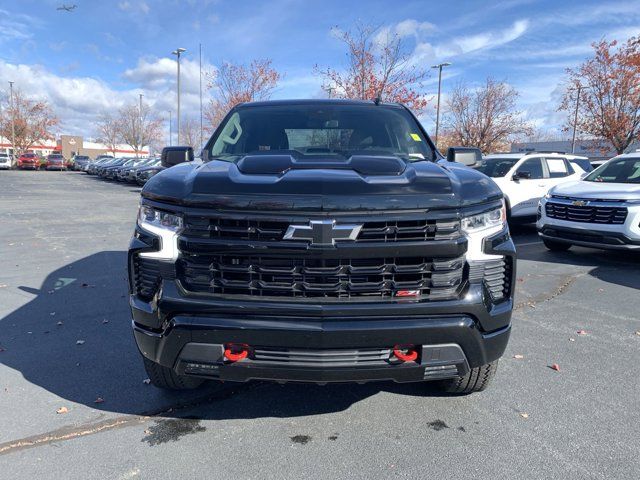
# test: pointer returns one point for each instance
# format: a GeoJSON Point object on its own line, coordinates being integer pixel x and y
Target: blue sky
{"type": "Point", "coordinates": [104, 53]}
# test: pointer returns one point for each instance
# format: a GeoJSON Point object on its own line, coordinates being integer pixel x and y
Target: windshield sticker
{"type": "Point", "coordinates": [416, 137]}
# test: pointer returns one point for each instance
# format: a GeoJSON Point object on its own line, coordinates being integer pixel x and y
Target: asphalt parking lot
{"type": "Point", "coordinates": [66, 345]}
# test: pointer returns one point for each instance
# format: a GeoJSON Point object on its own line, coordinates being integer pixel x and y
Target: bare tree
{"type": "Point", "coordinates": [233, 83]}
{"type": "Point", "coordinates": [190, 133]}
{"type": "Point", "coordinates": [108, 131]}
{"type": "Point", "coordinates": [608, 86]}
{"type": "Point", "coordinates": [34, 121]}
{"type": "Point", "coordinates": [378, 67]}
{"type": "Point", "coordinates": [485, 117]}
{"type": "Point", "coordinates": [139, 127]}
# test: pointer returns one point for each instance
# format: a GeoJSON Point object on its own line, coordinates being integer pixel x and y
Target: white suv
{"type": "Point", "coordinates": [5, 161]}
{"type": "Point", "coordinates": [526, 178]}
{"type": "Point", "coordinates": [600, 211]}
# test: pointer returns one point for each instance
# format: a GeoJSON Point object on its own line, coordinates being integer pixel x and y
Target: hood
{"type": "Point", "coordinates": [277, 182]}
{"type": "Point", "coordinates": [598, 190]}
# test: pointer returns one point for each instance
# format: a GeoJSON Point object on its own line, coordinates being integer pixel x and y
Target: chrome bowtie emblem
{"type": "Point", "coordinates": [322, 232]}
{"type": "Point", "coordinates": [579, 203]}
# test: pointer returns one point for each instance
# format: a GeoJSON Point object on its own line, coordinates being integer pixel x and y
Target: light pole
{"type": "Point", "coordinates": [575, 117]}
{"type": "Point", "coordinates": [140, 124]}
{"type": "Point", "coordinates": [440, 66]}
{"type": "Point", "coordinates": [13, 124]}
{"type": "Point", "coordinates": [177, 52]}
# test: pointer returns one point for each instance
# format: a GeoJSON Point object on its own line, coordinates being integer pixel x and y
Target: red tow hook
{"type": "Point", "coordinates": [234, 352]}
{"type": "Point", "coordinates": [405, 353]}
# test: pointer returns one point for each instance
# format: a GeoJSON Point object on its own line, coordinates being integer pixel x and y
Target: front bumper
{"type": "Point", "coordinates": [185, 331]}
{"type": "Point", "coordinates": [624, 236]}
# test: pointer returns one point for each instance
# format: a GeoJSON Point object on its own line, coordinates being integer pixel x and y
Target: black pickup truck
{"type": "Point", "coordinates": [321, 241]}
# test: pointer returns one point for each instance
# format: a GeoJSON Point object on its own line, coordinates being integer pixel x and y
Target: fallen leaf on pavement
{"type": "Point", "coordinates": [146, 381]}
{"type": "Point", "coordinates": [62, 410]}
{"type": "Point", "coordinates": [524, 415]}
{"type": "Point", "coordinates": [86, 285]}
{"type": "Point", "coordinates": [638, 333]}
{"type": "Point", "coordinates": [105, 321]}
{"type": "Point", "coordinates": [59, 323]}
{"type": "Point", "coordinates": [99, 400]}
{"type": "Point", "coordinates": [555, 367]}
{"type": "Point", "coordinates": [518, 356]}
{"type": "Point", "coordinates": [581, 332]}
{"type": "Point", "coordinates": [52, 313]}
{"type": "Point", "coordinates": [80, 342]}
{"type": "Point", "coordinates": [572, 339]}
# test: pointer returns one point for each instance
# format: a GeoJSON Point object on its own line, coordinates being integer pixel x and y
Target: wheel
{"type": "Point", "coordinates": [476, 380]}
{"type": "Point", "coordinates": [556, 246]}
{"type": "Point", "coordinates": [166, 378]}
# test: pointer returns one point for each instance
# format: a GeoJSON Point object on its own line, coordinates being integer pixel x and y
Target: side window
{"type": "Point", "coordinates": [557, 167]}
{"type": "Point", "coordinates": [534, 167]}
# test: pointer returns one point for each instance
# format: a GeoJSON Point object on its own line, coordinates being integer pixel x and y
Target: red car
{"type": "Point", "coordinates": [55, 161]}
{"type": "Point", "coordinates": [28, 161]}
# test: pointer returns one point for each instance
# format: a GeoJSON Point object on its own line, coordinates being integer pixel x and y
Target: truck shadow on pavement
{"type": "Point", "coordinates": [74, 340]}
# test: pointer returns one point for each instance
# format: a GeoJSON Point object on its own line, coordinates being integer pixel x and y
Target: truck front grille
{"type": "Point", "coordinates": [322, 358]}
{"type": "Point", "coordinates": [273, 230]}
{"type": "Point", "coordinates": [268, 276]}
{"type": "Point", "coordinates": [586, 213]}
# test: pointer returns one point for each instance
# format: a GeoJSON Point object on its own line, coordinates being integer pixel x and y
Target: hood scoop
{"type": "Point", "coordinates": [281, 164]}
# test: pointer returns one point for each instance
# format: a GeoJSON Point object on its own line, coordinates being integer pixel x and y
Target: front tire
{"type": "Point", "coordinates": [556, 246]}
{"type": "Point", "coordinates": [476, 380]}
{"type": "Point", "coordinates": [165, 378]}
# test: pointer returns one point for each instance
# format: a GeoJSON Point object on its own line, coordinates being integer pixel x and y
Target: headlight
{"type": "Point", "coordinates": [149, 216]}
{"type": "Point", "coordinates": [485, 221]}
{"type": "Point", "coordinates": [164, 225]}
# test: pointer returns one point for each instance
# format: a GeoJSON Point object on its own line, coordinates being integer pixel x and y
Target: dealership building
{"type": "Point", "coordinates": [70, 145]}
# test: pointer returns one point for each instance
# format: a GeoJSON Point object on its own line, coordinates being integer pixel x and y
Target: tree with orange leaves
{"type": "Point", "coordinates": [609, 89]}
{"type": "Point", "coordinates": [234, 83]}
{"type": "Point", "coordinates": [34, 121]}
{"type": "Point", "coordinates": [378, 67]}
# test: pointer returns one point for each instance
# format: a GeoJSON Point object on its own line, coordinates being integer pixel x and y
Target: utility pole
{"type": "Point", "coordinates": [439, 67]}
{"type": "Point", "coordinates": [201, 139]}
{"type": "Point", "coordinates": [575, 118]}
{"type": "Point", "coordinates": [177, 52]}
{"type": "Point", "coordinates": [13, 125]}
{"type": "Point", "coordinates": [140, 124]}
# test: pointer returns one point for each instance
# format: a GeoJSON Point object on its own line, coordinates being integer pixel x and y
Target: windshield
{"type": "Point", "coordinates": [496, 167]}
{"type": "Point", "coordinates": [625, 170]}
{"type": "Point", "coordinates": [321, 130]}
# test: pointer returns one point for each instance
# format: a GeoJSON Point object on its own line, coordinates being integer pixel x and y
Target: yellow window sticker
{"type": "Point", "coordinates": [416, 137]}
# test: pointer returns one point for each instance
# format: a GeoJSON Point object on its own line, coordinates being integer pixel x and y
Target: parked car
{"type": "Point", "coordinates": [103, 163]}
{"type": "Point", "coordinates": [601, 211]}
{"type": "Point", "coordinates": [29, 161]}
{"type": "Point", "coordinates": [80, 161]}
{"type": "Point", "coordinates": [526, 178]}
{"type": "Point", "coordinates": [92, 167]}
{"type": "Point", "coordinates": [107, 171]}
{"type": "Point", "coordinates": [129, 174]}
{"type": "Point", "coordinates": [144, 174]}
{"type": "Point", "coordinates": [321, 241]}
{"type": "Point", "coordinates": [5, 161]}
{"type": "Point", "coordinates": [122, 173]}
{"type": "Point", "coordinates": [55, 161]}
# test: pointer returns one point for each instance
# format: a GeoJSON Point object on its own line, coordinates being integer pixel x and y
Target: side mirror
{"type": "Point", "coordinates": [468, 156]}
{"type": "Point", "coordinates": [174, 155]}
{"type": "Point", "coordinates": [521, 175]}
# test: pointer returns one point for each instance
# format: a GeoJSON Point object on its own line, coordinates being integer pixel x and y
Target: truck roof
{"type": "Point", "coordinates": [316, 101]}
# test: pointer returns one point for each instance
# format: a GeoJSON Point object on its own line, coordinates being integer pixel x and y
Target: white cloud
{"type": "Point", "coordinates": [135, 6]}
{"type": "Point", "coordinates": [79, 100]}
{"type": "Point", "coordinates": [16, 26]}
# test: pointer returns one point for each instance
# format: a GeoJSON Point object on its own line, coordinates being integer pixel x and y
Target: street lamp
{"type": "Point", "coordinates": [440, 66]}
{"type": "Point", "coordinates": [177, 52]}
{"type": "Point", "coordinates": [140, 124]}
{"type": "Point", "coordinates": [578, 90]}
{"type": "Point", "coordinates": [13, 125]}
